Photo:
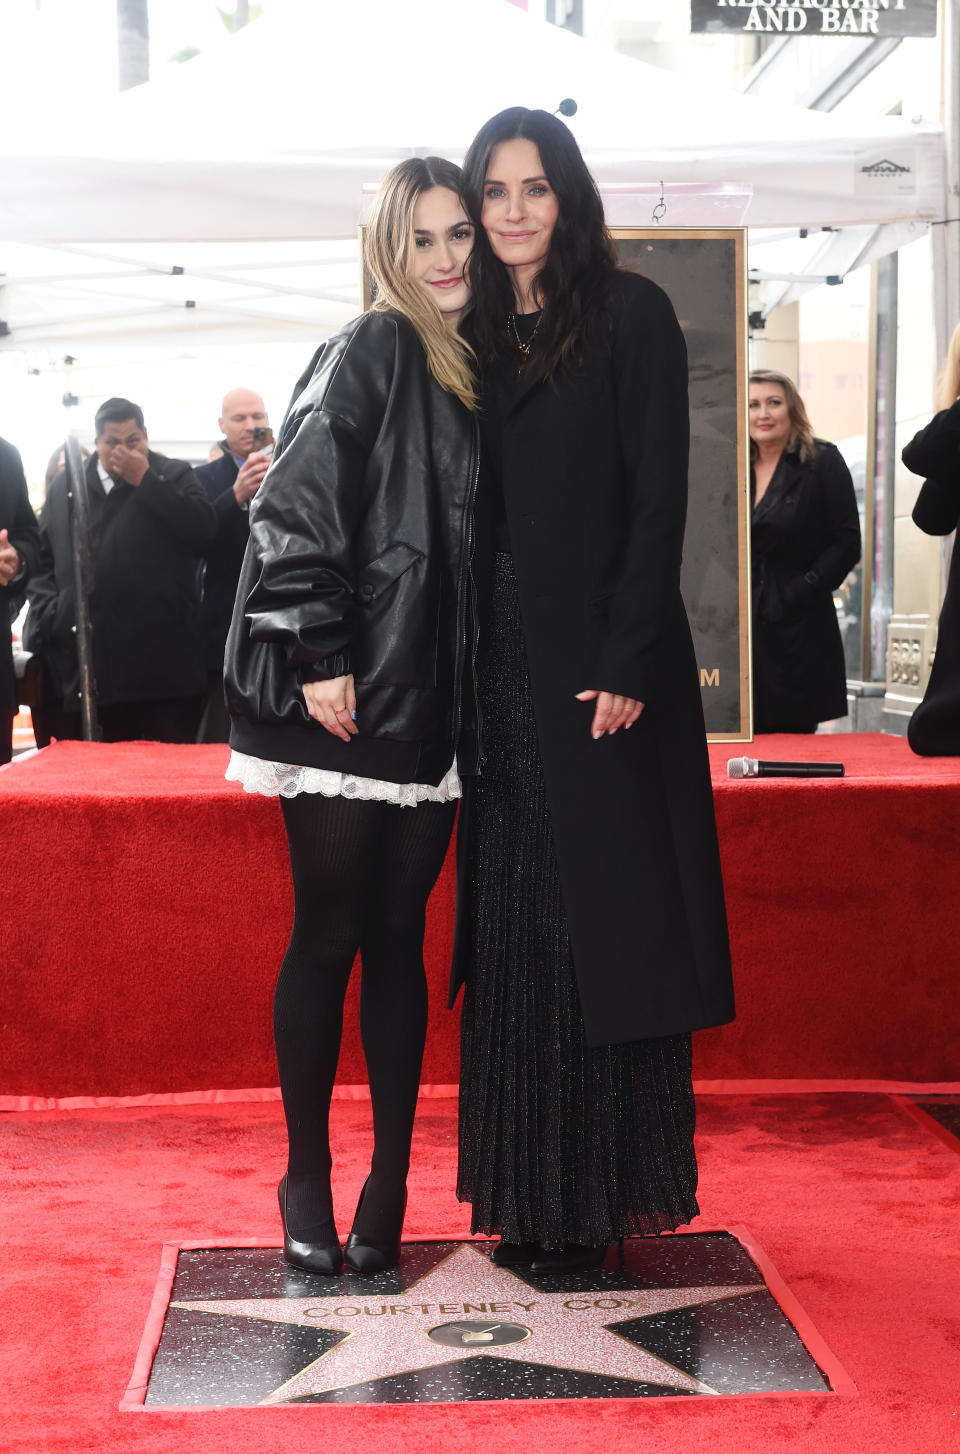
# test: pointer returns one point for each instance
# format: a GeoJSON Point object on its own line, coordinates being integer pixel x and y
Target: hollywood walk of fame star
{"type": "Point", "coordinates": [433, 1317]}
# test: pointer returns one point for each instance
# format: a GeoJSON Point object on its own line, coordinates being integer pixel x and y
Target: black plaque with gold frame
{"type": "Point", "coordinates": [704, 273]}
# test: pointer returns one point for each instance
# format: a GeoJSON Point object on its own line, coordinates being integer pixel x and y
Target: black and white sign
{"type": "Point", "coordinates": [888, 173]}
{"type": "Point", "coordinates": [815, 17]}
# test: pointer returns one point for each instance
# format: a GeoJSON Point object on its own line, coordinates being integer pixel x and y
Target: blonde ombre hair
{"type": "Point", "coordinates": [801, 441]}
{"type": "Point", "coordinates": [947, 388]}
{"type": "Point", "coordinates": [389, 246]}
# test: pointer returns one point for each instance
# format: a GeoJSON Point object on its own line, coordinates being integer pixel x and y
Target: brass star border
{"type": "Point", "coordinates": [465, 1329]}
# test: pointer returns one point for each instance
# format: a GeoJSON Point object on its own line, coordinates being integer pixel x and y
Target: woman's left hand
{"type": "Point", "coordinates": [333, 704]}
{"type": "Point", "coordinates": [612, 712]}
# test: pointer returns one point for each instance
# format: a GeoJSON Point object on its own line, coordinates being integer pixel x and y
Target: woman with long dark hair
{"type": "Point", "coordinates": [344, 672]}
{"type": "Point", "coordinates": [592, 933]}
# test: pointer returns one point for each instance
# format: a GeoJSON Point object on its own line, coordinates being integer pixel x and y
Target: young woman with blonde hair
{"type": "Point", "coordinates": [345, 680]}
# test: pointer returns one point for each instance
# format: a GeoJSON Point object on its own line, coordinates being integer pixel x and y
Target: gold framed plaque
{"type": "Point", "coordinates": [704, 274]}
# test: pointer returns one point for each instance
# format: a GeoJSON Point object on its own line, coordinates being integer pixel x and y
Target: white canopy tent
{"type": "Point", "coordinates": [217, 206]}
{"type": "Point", "coordinates": [275, 133]}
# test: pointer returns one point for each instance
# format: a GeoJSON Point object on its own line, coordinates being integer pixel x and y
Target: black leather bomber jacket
{"type": "Point", "coordinates": [359, 561]}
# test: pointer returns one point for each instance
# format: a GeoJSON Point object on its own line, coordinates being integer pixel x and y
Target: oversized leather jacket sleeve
{"type": "Point", "coordinates": [305, 516]}
{"type": "Point", "coordinates": [935, 452]}
{"type": "Point", "coordinates": [935, 449]}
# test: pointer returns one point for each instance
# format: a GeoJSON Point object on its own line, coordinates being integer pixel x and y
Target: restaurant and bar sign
{"type": "Point", "coordinates": [815, 17]}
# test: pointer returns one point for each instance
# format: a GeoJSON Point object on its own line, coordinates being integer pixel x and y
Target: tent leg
{"type": "Point", "coordinates": [946, 239]}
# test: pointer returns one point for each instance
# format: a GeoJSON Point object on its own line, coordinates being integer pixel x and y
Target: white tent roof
{"type": "Point", "coordinates": [209, 217]}
{"type": "Point", "coordinates": [274, 134]}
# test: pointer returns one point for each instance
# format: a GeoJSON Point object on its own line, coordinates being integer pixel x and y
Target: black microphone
{"type": "Point", "coordinates": [752, 767]}
{"type": "Point", "coordinates": [567, 107]}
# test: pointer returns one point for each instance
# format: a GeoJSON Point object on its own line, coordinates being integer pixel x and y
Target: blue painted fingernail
{"type": "Point", "coordinates": [354, 716]}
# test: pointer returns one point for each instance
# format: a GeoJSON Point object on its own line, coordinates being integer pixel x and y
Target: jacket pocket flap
{"type": "Point", "coordinates": [388, 567]}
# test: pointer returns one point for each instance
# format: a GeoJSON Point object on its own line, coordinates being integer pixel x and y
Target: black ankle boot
{"type": "Point", "coordinates": [324, 1257]}
{"type": "Point", "coordinates": [368, 1255]}
{"type": "Point", "coordinates": [515, 1254]}
{"type": "Point", "coordinates": [572, 1258]}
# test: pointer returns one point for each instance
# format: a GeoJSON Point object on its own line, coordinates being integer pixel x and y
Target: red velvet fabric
{"type": "Point", "coordinates": [855, 1203]}
{"type": "Point", "coordinates": [148, 905]}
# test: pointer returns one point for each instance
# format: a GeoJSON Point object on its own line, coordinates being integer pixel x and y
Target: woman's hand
{"type": "Point", "coordinates": [334, 705]}
{"type": "Point", "coordinates": [612, 712]}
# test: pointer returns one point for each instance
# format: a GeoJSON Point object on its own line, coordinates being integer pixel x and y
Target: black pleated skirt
{"type": "Point", "coordinates": [559, 1143]}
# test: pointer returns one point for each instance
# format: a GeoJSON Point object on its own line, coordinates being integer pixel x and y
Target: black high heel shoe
{"type": "Point", "coordinates": [515, 1254]}
{"type": "Point", "coordinates": [572, 1258]}
{"type": "Point", "coordinates": [325, 1257]}
{"type": "Point", "coordinates": [361, 1254]}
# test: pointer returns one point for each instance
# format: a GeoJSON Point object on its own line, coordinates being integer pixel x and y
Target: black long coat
{"type": "Point", "coordinates": [145, 542]}
{"type": "Point", "coordinates": [595, 486]}
{"type": "Point", "coordinates": [17, 518]}
{"type": "Point", "coordinates": [805, 539]}
{"type": "Point", "coordinates": [934, 729]}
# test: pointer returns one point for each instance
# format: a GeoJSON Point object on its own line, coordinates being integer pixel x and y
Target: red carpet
{"type": "Point", "coordinates": [153, 907]}
{"type": "Point", "coordinates": [855, 1202]}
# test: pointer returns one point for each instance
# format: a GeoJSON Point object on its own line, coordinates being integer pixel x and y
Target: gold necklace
{"type": "Point", "coordinates": [523, 349]}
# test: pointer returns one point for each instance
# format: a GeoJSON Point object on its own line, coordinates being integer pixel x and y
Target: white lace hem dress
{"type": "Point", "coordinates": [286, 780]}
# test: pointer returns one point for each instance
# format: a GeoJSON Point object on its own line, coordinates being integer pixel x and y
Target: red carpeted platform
{"type": "Point", "coordinates": [148, 905]}
{"type": "Point", "coordinates": [855, 1203]}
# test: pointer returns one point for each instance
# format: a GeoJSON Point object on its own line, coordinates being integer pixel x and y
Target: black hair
{"type": "Point", "coordinates": [572, 283]}
{"type": "Point", "coordinates": [117, 411]}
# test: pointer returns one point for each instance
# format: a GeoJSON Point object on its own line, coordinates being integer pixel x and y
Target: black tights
{"type": "Point", "coordinates": [362, 873]}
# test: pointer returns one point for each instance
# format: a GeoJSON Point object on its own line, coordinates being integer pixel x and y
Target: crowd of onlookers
{"type": "Point", "coordinates": [166, 543]}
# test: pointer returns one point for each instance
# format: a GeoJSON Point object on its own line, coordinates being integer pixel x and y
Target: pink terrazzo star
{"type": "Point", "coordinates": [469, 1298]}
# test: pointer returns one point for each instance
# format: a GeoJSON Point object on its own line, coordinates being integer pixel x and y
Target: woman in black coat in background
{"type": "Point", "coordinates": [934, 729]}
{"type": "Point", "coordinates": [591, 931]}
{"type": "Point", "coordinates": [805, 538]}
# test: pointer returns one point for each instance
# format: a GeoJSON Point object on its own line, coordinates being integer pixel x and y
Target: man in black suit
{"type": "Point", "coordinates": [149, 523]}
{"type": "Point", "coordinates": [19, 552]}
{"type": "Point", "coordinates": [231, 483]}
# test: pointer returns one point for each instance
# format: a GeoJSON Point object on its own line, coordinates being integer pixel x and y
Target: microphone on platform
{"type": "Point", "coordinates": [753, 767]}
{"type": "Point", "coordinates": [567, 107]}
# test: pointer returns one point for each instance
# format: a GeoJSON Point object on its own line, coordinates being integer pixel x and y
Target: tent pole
{"type": "Point", "coordinates": [946, 237]}
{"type": "Point", "coordinates": [133, 43]}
